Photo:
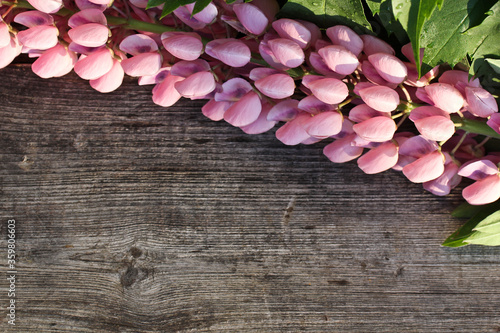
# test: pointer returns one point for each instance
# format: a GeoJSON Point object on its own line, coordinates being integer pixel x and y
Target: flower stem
{"type": "Point", "coordinates": [474, 126]}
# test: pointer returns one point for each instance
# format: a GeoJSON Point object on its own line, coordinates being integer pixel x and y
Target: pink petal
{"type": "Point", "coordinates": [46, 6]}
{"type": "Point", "coordinates": [269, 7]}
{"type": "Point", "coordinates": [493, 122]}
{"type": "Point", "coordinates": [427, 111]}
{"type": "Point", "coordinates": [339, 59]}
{"type": "Point", "coordinates": [308, 79]}
{"type": "Point", "coordinates": [215, 110]}
{"type": "Point", "coordinates": [207, 15]}
{"type": "Point", "coordinates": [417, 146]}
{"type": "Point", "coordinates": [138, 44]}
{"type": "Point", "coordinates": [407, 51]}
{"type": "Point", "coordinates": [101, 2]}
{"type": "Point", "coordinates": [426, 168]}
{"type": "Point", "coordinates": [9, 52]}
{"type": "Point", "coordinates": [142, 64]}
{"type": "Point", "coordinates": [86, 16]}
{"type": "Point", "coordinates": [277, 86]}
{"type": "Point", "coordinates": [363, 112]}
{"type": "Point", "coordinates": [196, 85]}
{"type": "Point", "coordinates": [372, 45]}
{"type": "Point", "coordinates": [380, 98]}
{"type": "Point", "coordinates": [252, 18]}
{"type": "Point", "coordinates": [86, 4]}
{"type": "Point", "coordinates": [262, 72]}
{"type": "Point", "coordinates": [445, 97]}
{"type": "Point", "coordinates": [183, 45]}
{"type": "Point", "coordinates": [284, 111]}
{"type": "Point", "coordinates": [90, 35]}
{"type": "Point", "coordinates": [437, 128]}
{"type": "Point", "coordinates": [421, 94]}
{"type": "Point", "coordinates": [245, 111]}
{"type": "Point", "coordinates": [187, 68]}
{"type": "Point", "coordinates": [262, 124]}
{"type": "Point", "coordinates": [291, 29]}
{"type": "Point", "coordinates": [324, 124]}
{"type": "Point", "coordinates": [184, 14]}
{"type": "Point", "coordinates": [481, 102]}
{"type": "Point", "coordinates": [377, 129]}
{"type": "Point", "coordinates": [362, 85]}
{"type": "Point", "coordinates": [346, 37]}
{"type": "Point", "coordinates": [287, 52]}
{"type": "Point", "coordinates": [233, 90]}
{"type": "Point", "coordinates": [455, 77]}
{"type": "Point", "coordinates": [40, 37]}
{"type": "Point", "coordinates": [379, 159]}
{"type": "Point", "coordinates": [329, 90]}
{"type": "Point", "coordinates": [33, 18]}
{"type": "Point", "coordinates": [372, 75]}
{"type": "Point", "coordinates": [478, 169]}
{"type": "Point", "coordinates": [341, 150]}
{"type": "Point", "coordinates": [269, 57]}
{"type": "Point", "coordinates": [313, 30]}
{"type": "Point", "coordinates": [95, 65]}
{"type": "Point", "coordinates": [54, 62]}
{"type": "Point", "coordinates": [389, 67]}
{"type": "Point", "coordinates": [154, 79]}
{"type": "Point", "coordinates": [444, 183]}
{"type": "Point", "coordinates": [164, 93]}
{"type": "Point", "coordinates": [484, 191]}
{"type": "Point", "coordinates": [232, 52]}
{"type": "Point", "coordinates": [313, 105]}
{"type": "Point", "coordinates": [110, 81]}
{"type": "Point", "coordinates": [292, 133]}
{"type": "Point", "coordinates": [4, 34]}
{"type": "Point", "coordinates": [321, 67]}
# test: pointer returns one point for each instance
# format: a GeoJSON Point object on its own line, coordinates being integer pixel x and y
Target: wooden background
{"type": "Point", "coordinates": [136, 218]}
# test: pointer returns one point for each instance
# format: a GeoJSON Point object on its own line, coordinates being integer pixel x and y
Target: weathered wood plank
{"type": "Point", "coordinates": [136, 218]}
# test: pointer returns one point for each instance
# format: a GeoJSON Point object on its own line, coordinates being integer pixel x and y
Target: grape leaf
{"type": "Point", "coordinates": [412, 15]}
{"type": "Point", "coordinates": [383, 11]}
{"type": "Point", "coordinates": [449, 38]}
{"type": "Point", "coordinates": [327, 13]}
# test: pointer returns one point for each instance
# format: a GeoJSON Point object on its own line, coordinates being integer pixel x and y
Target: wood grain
{"type": "Point", "coordinates": [136, 218]}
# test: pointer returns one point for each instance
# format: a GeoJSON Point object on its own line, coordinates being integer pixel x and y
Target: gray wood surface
{"type": "Point", "coordinates": [131, 217]}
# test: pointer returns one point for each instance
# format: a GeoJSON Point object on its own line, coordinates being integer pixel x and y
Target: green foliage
{"type": "Point", "coordinates": [327, 13]}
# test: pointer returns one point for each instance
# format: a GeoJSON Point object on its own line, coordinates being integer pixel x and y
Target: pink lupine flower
{"type": "Point", "coordinates": [486, 189]}
{"type": "Point", "coordinates": [215, 110]}
{"type": "Point", "coordinates": [284, 111]}
{"type": "Point", "coordinates": [324, 124]}
{"type": "Point", "coordinates": [268, 55]}
{"type": "Point", "coordinates": [145, 58]}
{"type": "Point", "coordinates": [433, 123]}
{"type": "Point", "coordinates": [277, 86]}
{"type": "Point", "coordinates": [262, 72]}
{"type": "Point", "coordinates": [445, 97]}
{"type": "Point", "coordinates": [363, 112]}
{"type": "Point", "coordinates": [311, 104]}
{"type": "Point", "coordinates": [230, 51]}
{"type": "Point", "coordinates": [372, 45]}
{"type": "Point", "coordinates": [253, 19]}
{"type": "Point", "coordinates": [245, 111]}
{"type": "Point", "coordinates": [373, 76]}
{"type": "Point", "coordinates": [196, 85]}
{"type": "Point", "coordinates": [319, 65]}
{"type": "Point", "coordinates": [313, 29]}
{"type": "Point", "coordinates": [286, 52]}
{"type": "Point", "coordinates": [376, 129]}
{"type": "Point", "coordinates": [346, 37]}
{"type": "Point", "coordinates": [10, 51]}
{"type": "Point", "coordinates": [339, 59]}
{"type": "Point", "coordinates": [329, 90]}
{"type": "Point", "coordinates": [110, 81]}
{"type": "Point", "coordinates": [54, 62]}
{"type": "Point", "coordinates": [407, 51]}
{"type": "Point", "coordinates": [480, 102]}
{"type": "Point", "coordinates": [41, 33]}
{"type": "Point", "coordinates": [90, 34]}
{"type": "Point", "coordinates": [183, 45]}
{"type": "Point", "coordinates": [87, 16]}
{"type": "Point", "coordinates": [293, 132]}
{"type": "Point", "coordinates": [389, 67]}
{"type": "Point", "coordinates": [199, 20]}
{"type": "Point", "coordinates": [447, 181]}
{"type": "Point", "coordinates": [94, 65]}
{"type": "Point", "coordinates": [233, 90]}
{"type": "Point", "coordinates": [262, 124]}
{"type": "Point", "coordinates": [380, 158]}
{"type": "Point", "coordinates": [380, 98]}
{"type": "Point", "coordinates": [412, 78]}
{"type": "Point", "coordinates": [425, 161]}
{"type": "Point", "coordinates": [4, 34]}
{"type": "Point", "coordinates": [164, 93]}
{"type": "Point", "coordinates": [493, 122]}
{"type": "Point", "coordinates": [342, 150]}
{"type": "Point", "coordinates": [86, 4]}
{"type": "Point", "coordinates": [458, 79]}
{"type": "Point", "coordinates": [362, 85]}
{"type": "Point", "coordinates": [47, 6]}
{"type": "Point", "coordinates": [293, 30]}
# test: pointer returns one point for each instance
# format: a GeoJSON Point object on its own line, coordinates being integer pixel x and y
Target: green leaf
{"type": "Point", "coordinates": [448, 37]}
{"type": "Point", "coordinates": [154, 3]}
{"type": "Point", "coordinates": [327, 13]}
{"type": "Point", "coordinates": [382, 10]}
{"type": "Point", "coordinates": [490, 225]}
{"type": "Point", "coordinates": [200, 5]}
{"type": "Point", "coordinates": [480, 238]}
{"type": "Point", "coordinates": [495, 64]}
{"type": "Point", "coordinates": [413, 15]}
